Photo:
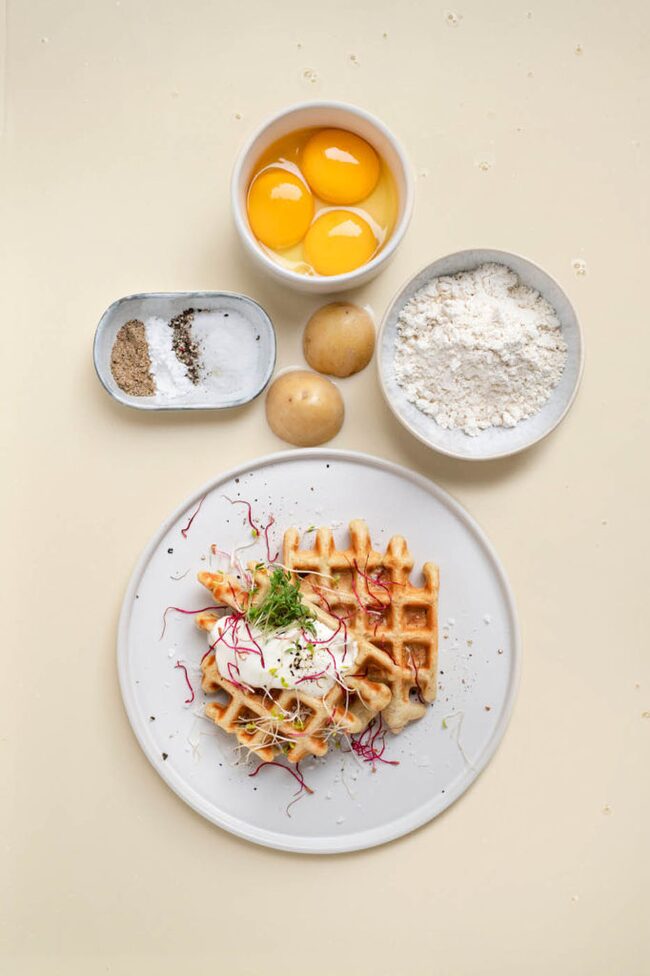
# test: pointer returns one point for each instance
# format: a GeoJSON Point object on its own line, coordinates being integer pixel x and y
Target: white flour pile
{"type": "Point", "coordinates": [478, 349]}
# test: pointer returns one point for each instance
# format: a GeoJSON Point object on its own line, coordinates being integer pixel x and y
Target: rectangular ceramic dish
{"type": "Point", "coordinates": [246, 384]}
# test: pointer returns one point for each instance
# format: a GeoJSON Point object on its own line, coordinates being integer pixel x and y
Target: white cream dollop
{"type": "Point", "coordinates": [287, 659]}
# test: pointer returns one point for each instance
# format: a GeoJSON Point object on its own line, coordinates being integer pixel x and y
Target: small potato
{"type": "Point", "coordinates": [304, 409]}
{"type": "Point", "coordinates": [339, 339]}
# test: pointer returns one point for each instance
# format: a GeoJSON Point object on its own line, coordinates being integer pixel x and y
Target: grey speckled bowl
{"type": "Point", "coordinates": [495, 442]}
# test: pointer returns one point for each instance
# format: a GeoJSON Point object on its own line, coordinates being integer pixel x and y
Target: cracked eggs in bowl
{"type": "Point", "coordinates": [322, 196]}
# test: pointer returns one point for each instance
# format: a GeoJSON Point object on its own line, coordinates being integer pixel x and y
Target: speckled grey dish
{"type": "Point", "coordinates": [495, 442]}
{"type": "Point", "coordinates": [166, 305]}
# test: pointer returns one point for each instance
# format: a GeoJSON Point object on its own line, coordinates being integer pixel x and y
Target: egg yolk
{"type": "Point", "coordinates": [339, 166]}
{"type": "Point", "coordinates": [339, 241]}
{"type": "Point", "coordinates": [280, 208]}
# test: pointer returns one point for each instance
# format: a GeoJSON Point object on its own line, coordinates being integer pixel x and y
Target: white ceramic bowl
{"type": "Point", "coordinates": [322, 114]}
{"type": "Point", "coordinates": [495, 442]}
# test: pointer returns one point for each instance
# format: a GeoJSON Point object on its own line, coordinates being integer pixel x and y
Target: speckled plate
{"type": "Point", "coordinates": [353, 806]}
{"type": "Point", "coordinates": [495, 442]}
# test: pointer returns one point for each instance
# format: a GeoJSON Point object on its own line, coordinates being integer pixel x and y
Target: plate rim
{"type": "Point", "coordinates": [494, 455]}
{"type": "Point", "coordinates": [371, 837]}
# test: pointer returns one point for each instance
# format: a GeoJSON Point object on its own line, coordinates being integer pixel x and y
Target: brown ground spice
{"type": "Point", "coordinates": [130, 362]}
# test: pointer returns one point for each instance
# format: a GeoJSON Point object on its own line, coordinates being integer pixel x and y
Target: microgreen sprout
{"type": "Point", "coordinates": [370, 744]}
{"type": "Point", "coordinates": [282, 606]}
{"type": "Point", "coordinates": [181, 667]}
{"type": "Point", "coordinates": [192, 517]}
{"type": "Point", "coordinates": [182, 610]}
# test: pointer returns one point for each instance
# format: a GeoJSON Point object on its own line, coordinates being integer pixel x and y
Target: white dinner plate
{"type": "Point", "coordinates": [353, 804]}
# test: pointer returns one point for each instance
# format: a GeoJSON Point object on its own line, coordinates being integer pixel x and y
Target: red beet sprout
{"type": "Point", "coordinates": [311, 677]}
{"type": "Point", "coordinates": [269, 558]}
{"type": "Point", "coordinates": [238, 684]}
{"type": "Point", "coordinates": [241, 649]}
{"type": "Point", "coordinates": [192, 517]}
{"type": "Point", "coordinates": [188, 701]}
{"type": "Point", "coordinates": [181, 610]}
{"type": "Point", "coordinates": [249, 511]}
{"type": "Point", "coordinates": [297, 775]}
{"type": "Point", "coordinates": [370, 744]}
{"type": "Point", "coordinates": [417, 678]}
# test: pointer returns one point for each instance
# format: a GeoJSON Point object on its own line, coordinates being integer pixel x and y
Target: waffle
{"type": "Point", "coordinates": [374, 592]}
{"type": "Point", "coordinates": [287, 721]}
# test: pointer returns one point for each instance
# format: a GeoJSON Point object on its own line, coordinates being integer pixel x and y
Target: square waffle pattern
{"type": "Point", "coordinates": [373, 593]}
{"type": "Point", "coordinates": [269, 723]}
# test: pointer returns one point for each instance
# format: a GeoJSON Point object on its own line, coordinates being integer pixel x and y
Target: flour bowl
{"type": "Point", "coordinates": [494, 442]}
{"type": "Point", "coordinates": [322, 115]}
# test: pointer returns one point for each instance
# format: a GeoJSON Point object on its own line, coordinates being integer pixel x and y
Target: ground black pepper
{"type": "Point", "coordinates": [186, 349]}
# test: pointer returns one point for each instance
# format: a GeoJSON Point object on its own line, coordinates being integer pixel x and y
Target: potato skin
{"type": "Point", "coordinates": [304, 408]}
{"type": "Point", "coordinates": [339, 339]}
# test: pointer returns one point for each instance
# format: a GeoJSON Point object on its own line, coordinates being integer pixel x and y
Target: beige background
{"type": "Point", "coordinates": [528, 129]}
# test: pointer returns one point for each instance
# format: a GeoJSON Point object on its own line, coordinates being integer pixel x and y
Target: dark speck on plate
{"type": "Point", "coordinates": [152, 718]}
{"type": "Point", "coordinates": [165, 755]}
{"type": "Point", "coordinates": [170, 551]}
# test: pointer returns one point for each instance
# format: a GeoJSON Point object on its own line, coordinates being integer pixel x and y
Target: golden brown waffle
{"type": "Point", "coordinates": [292, 722]}
{"type": "Point", "coordinates": [374, 592]}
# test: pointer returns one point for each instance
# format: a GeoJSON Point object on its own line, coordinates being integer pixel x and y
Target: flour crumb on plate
{"type": "Point", "coordinates": [479, 349]}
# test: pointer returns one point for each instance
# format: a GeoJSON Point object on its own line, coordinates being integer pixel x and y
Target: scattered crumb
{"type": "Point", "coordinates": [340, 820]}
{"type": "Point", "coordinates": [579, 266]}
{"type": "Point", "coordinates": [310, 75]}
{"type": "Point", "coordinates": [45, 40]}
{"type": "Point", "coordinates": [488, 708]}
{"type": "Point", "coordinates": [298, 45]}
{"type": "Point", "coordinates": [575, 898]}
{"type": "Point", "coordinates": [579, 49]}
{"type": "Point", "coordinates": [385, 35]}
{"type": "Point", "coordinates": [607, 809]}
{"type": "Point", "coordinates": [238, 115]}
{"type": "Point", "coordinates": [645, 714]}
{"type": "Point", "coordinates": [452, 18]}
{"type": "Point", "coordinates": [423, 173]}
{"type": "Point", "coordinates": [530, 74]}
{"type": "Point", "coordinates": [165, 755]}
{"type": "Point", "coordinates": [487, 619]}
{"type": "Point", "coordinates": [354, 59]}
